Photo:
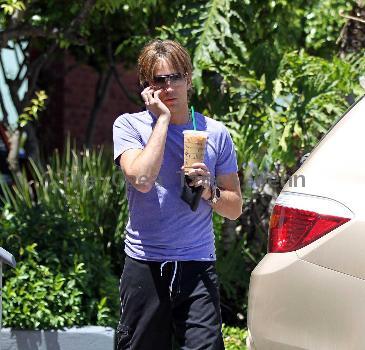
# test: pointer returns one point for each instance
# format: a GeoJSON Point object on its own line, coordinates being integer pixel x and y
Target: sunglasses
{"type": "Point", "coordinates": [162, 80]}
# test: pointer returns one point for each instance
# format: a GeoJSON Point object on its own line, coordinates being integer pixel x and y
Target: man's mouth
{"type": "Point", "coordinates": [170, 99]}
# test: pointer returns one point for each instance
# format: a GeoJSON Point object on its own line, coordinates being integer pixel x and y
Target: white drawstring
{"type": "Point", "coordinates": [162, 265]}
{"type": "Point", "coordinates": [173, 276]}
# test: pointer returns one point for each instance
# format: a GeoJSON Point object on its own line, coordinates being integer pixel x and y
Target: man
{"type": "Point", "coordinates": [169, 283]}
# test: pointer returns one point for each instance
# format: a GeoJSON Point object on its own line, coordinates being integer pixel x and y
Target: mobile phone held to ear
{"type": "Point", "coordinates": [191, 194]}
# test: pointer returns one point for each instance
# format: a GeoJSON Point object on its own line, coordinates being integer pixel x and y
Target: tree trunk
{"type": "Point", "coordinates": [101, 90]}
{"type": "Point", "coordinates": [352, 36]}
{"type": "Point", "coordinates": [14, 140]}
{"type": "Point", "coordinates": [31, 144]}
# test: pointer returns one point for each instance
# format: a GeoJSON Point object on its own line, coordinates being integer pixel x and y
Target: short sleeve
{"type": "Point", "coordinates": [227, 159]}
{"type": "Point", "coordinates": [125, 137]}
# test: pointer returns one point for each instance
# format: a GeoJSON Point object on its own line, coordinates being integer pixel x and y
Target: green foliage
{"type": "Point", "coordinates": [215, 40]}
{"type": "Point", "coordinates": [38, 297]}
{"type": "Point", "coordinates": [234, 268]}
{"type": "Point", "coordinates": [31, 112]}
{"type": "Point", "coordinates": [238, 261]}
{"type": "Point", "coordinates": [75, 209]}
{"type": "Point", "coordinates": [309, 95]}
{"type": "Point", "coordinates": [324, 24]}
{"type": "Point", "coordinates": [280, 124]}
{"type": "Point", "coordinates": [110, 6]}
{"type": "Point", "coordinates": [93, 38]}
{"type": "Point", "coordinates": [234, 338]}
{"type": "Point", "coordinates": [10, 6]}
{"type": "Point", "coordinates": [117, 30]}
{"type": "Point", "coordinates": [249, 72]}
{"type": "Point", "coordinates": [205, 28]}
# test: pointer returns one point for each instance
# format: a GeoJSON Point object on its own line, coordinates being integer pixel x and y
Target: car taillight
{"type": "Point", "coordinates": [298, 220]}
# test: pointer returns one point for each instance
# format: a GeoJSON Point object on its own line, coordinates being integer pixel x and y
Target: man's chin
{"type": "Point", "coordinates": [171, 106]}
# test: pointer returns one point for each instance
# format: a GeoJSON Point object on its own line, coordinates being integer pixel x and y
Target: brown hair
{"type": "Point", "coordinates": [169, 50]}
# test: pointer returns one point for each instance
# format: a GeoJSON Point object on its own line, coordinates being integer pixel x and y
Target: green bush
{"type": "Point", "coordinates": [234, 338]}
{"type": "Point", "coordinates": [234, 266]}
{"type": "Point", "coordinates": [75, 211]}
{"type": "Point", "coordinates": [36, 296]}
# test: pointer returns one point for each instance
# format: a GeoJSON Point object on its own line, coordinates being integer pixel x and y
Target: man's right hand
{"type": "Point", "coordinates": [154, 104]}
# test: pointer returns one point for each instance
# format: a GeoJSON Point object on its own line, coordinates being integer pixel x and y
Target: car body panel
{"type": "Point", "coordinates": [342, 250]}
{"type": "Point", "coordinates": [314, 298]}
{"type": "Point", "coordinates": [294, 304]}
{"type": "Point", "coordinates": [336, 167]}
{"type": "Point", "coordinates": [336, 170]}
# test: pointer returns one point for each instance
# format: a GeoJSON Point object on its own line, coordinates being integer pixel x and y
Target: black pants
{"type": "Point", "coordinates": [153, 314]}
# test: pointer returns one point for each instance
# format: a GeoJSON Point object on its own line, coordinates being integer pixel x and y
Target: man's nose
{"type": "Point", "coordinates": [168, 86]}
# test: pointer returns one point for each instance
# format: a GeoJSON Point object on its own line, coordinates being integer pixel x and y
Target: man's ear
{"type": "Point", "coordinates": [189, 81]}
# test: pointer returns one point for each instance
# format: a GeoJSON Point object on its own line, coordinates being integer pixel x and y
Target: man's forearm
{"type": "Point", "coordinates": [229, 205]}
{"type": "Point", "coordinates": [147, 164]}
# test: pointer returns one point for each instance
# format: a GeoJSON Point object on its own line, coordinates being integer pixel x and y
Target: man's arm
{"type": "Point", "coordinates": [141, 167]}
{"type": "Point", "coordinates": [230, 203]}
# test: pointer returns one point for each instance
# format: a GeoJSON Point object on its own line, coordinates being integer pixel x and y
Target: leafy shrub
{"type": "Point", "coordinates": [74, 210]}
{"type": "Point", "coordinates": [36, 296]}
{"type": "Point", "coordinates": [234, 266]}
{"type": "Point", "coordinates": [323, 24]}
{"type": "Point", "coordinates": [234, 338]}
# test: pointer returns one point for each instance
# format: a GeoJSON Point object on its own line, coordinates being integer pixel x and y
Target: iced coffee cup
{"type": "Point", "coordinates": [194, 147]}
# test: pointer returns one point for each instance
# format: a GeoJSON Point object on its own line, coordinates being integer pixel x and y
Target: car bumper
{"type": "Point", "coordinates": [249, 341]}
{"type": "Point", "coordinates": [294, 304]}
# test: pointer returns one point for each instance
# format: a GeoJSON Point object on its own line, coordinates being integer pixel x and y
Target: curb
{"type": "Point", "coordinates": [83, 338]}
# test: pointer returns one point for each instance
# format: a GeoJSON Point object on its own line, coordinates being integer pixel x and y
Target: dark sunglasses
{"type": "Point", "coordinates": [162, 80]}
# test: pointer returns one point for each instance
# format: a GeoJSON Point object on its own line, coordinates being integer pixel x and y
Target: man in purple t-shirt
{"type": "Point", "coordinates": [169, 284]}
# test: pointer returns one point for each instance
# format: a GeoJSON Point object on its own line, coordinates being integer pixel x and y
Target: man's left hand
{"type": "Point", "coordinates": [200, 176]}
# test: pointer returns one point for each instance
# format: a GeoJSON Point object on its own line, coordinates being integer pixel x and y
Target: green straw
{"type": "Point", "coordinates": [193, 117]}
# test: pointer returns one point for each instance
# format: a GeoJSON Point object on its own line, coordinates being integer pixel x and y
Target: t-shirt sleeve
{"type": "Point", "coordinates": [125, 137]}
{"type": "Point", "coordinates": [227, 159]}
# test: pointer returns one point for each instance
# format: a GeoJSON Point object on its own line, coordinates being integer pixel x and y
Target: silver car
{"type": "Point", "coordinates": [308, 292]}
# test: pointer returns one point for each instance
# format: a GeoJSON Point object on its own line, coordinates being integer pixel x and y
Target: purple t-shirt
{"type": "Point", "coordinates": [161, 225]}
